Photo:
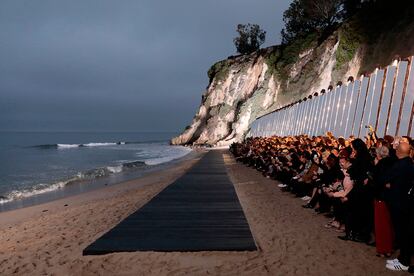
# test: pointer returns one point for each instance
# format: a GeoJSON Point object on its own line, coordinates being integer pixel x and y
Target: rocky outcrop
{"type": "Point", "coordinates": [249, 89]}
{"type": "Point", "coordinates": [243, 88]}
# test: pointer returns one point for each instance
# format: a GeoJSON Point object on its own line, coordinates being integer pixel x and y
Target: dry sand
{"type": "Point", "coordinates": [291, 240]}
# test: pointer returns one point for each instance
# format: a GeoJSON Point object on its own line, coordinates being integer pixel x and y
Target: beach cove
{"type": "Point", "coordinates": [49, 238]}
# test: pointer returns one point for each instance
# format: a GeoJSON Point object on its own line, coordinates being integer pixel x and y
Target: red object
{"type": "Point", "coordinates": [384, 234]}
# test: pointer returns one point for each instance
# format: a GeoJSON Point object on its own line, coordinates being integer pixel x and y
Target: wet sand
{"type": "Point", "coordinates": [48, 239]}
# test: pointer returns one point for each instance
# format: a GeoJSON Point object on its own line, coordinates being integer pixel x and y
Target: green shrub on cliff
{"type": "Point", "coordinates": [271, 60]}
{"type": "Point", "coordinates": [290, 53]}
{"type": "Point", "coordinates": [349, 42]}
{"type": "Point", "coordinates": [281, 58]}
{"type": "Point", "coordinates": [219, 70]}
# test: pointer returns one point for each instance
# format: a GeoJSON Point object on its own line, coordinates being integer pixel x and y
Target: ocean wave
{"type": "Point", "coordinates": [96, 144]}
{"type": "Point", "coordinates": [102, 144]}
{"type": "Point", "coordinates": [89, 175]}
{"type": "Point", "coordinates": [92, 144]}
{"type": "Point", "coordinates": [157, 161]}
{"type": "Point", "coordinates": [114, 169]}
{"type": "Point", "coordinates": [133, 164]}
{"type": "Point", "coordinates": [105, 171]}
{"type": "Point", "coordinates": [67, 146]}
{"type": "Point", "coordinates": [165, 159]}
{"type": "Point", "coordinates": [35, 190]}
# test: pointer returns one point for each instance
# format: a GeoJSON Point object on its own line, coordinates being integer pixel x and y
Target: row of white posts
{"type": "Point", "coordinates": [383, 100]}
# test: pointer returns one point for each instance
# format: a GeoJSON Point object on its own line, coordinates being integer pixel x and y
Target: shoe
{"type": "Point", "coordinates": [307, 206]}
{"type": "Point", "coordinates": [358, 238]}
{"type": "Point", "coordinates": [306, 198]}
{"type": "Point", "coordinates": [393, 261]}
{"type": "Point", "coordinates": [371, 243]}
{"type": "Point", "coordinates": [328, 225]}
{"type": "Point", "coordinates": [340, 230]}
{"type": "Point", "coordinates": [320, 211]}
{"type": "Point", "coordinates": [282, 185]}
{"type": "Point", "coordinates": [397, 266]}
{"type": "Point", "coordinates": [345, 238]}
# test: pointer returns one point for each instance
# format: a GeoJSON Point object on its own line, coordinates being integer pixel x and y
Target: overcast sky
{"type": "Point", "coordinates": [116, 65]}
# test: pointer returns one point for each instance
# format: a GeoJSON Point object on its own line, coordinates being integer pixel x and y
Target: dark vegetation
{"type": "Point", "coordinates": [250, 38]}
{"type": "Point", "coordinates": [381, 29]}
{"type": "Point", "coordinates": [385, 29]}
{"type": "Point", "coordinates": [304, 17]}
{"type": "Point", "coordinates": [219, 70]}
{"type": "Point", "coordinates": [377, 27]}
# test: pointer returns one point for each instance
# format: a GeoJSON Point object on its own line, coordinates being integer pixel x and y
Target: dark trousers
{"type": "Point", "coordinates": [284, 176]}
{"type": "Point", "coordinates": [323, 200]}
{"type": "Point", "coordinates": [339, 209]}
{"type": "Point", "coordinates": [301, 189]}
{"type": "Point", "coordinates": [359, 216]}
{"type": "Point", "coordinates": [404, 231]}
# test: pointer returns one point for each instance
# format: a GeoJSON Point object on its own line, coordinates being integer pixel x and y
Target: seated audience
{"type": "Point", "coordinates": [366, 188]}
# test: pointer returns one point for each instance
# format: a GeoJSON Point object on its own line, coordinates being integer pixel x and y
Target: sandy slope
{"type": "Point", "coordinates": [292, 241]}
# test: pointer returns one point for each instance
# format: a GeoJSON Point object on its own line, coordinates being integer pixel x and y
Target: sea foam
{"type": "Point", "coordinates": [163, 155]}
{"type": "Point", "coordinates": [67, 146]}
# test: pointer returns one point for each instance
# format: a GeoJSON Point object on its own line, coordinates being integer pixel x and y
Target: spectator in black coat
{"type": "Point", "coordinates": [399, 196]}
{"type": "Point", "coordinates": [359, 213]}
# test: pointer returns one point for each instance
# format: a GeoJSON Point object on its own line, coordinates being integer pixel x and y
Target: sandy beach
{"type": "Point", "coordinates": [48, 239]}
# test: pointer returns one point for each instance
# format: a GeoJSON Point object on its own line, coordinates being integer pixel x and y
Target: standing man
{"type": "Point", "coordinates": [399, 194]}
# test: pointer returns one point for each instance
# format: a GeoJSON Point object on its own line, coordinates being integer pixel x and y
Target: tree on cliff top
{"type": "Point", "coordinates": [308, 16]}
{"type": "Point", "coordinates": [250, 38]}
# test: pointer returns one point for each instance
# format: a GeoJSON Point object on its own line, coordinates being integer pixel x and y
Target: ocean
{"type": "Point", "coordinates": [40, 166]}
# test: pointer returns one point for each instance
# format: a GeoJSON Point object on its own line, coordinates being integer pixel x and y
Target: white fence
{"type": "Point", "coordinates": [383, 100]}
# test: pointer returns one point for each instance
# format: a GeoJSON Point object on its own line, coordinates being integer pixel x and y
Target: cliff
{"type": "Point", "coordinates": [243, 88]}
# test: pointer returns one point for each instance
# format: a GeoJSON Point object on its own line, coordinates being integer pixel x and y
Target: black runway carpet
{"type": "Point", "coordinates": [200, 211]}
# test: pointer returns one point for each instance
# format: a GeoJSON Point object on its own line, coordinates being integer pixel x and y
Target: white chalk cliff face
{"type": "Point", "coordinates": [246, 87]}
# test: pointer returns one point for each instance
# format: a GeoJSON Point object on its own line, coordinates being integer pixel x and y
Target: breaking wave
{"type": "Point", "coordinates": [92, 144]}
{"type": "Point", "coordinates": [86, 175]}
{"type": "Point", "coordinates": [35, 190]}
{"type": "Point", "coordinates": [69, 146]}
{"type": "Point", "coordinates": [160, 160]}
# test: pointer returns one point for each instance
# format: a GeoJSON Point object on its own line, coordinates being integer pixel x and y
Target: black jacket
{"type": "Point", "coordinates": [379, 173]}
{"type": "Point", "coordinates": [401, 177]}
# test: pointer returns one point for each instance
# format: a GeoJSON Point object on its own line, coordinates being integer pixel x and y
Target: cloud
{"type": "Point", "coordinates": [112, 65]}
